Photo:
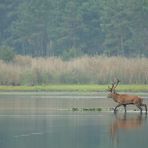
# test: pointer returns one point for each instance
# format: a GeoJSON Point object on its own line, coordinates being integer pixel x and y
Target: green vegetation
{"type": "Point", "coordinates": [87, 109]}
{"type": "Point", "coordinates": [69, 28]}
{"type": "Point", "coordinates": [92, 109]}
{"type": "Point", "coordinates": [74, 87]}
{"type": "Point", "coordinates": [6, 54]}
{"type": "Point", "coordinates": [75, 109]}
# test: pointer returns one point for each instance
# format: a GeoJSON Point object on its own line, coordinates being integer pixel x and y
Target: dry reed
{"type": "Point", "coordinates": [99, 69]}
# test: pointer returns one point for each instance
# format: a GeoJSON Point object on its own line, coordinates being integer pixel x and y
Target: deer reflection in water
{"type": "Point", "coordinates": [126, 123]}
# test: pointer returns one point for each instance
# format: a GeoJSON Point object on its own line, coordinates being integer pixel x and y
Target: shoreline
{"type": "Point", "coordinates": [73, 88]}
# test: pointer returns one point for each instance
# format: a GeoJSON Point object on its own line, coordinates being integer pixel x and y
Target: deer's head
{"type": "Point", "coordinates": [112, 88]}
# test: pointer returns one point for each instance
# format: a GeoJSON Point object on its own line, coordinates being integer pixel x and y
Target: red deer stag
{"type": "Point", "coordinates": [124, 99]}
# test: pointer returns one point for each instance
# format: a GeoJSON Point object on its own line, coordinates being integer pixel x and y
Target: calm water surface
{"type": "Point", "coordinates": [45, 120]}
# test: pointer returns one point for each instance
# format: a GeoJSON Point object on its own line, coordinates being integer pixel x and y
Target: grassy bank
{"type": "Point", "coordinates": [30, 71]}
{"type": "Point", "coordinates": [72, 87]}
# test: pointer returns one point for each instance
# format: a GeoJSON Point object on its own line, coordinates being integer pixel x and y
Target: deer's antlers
{"type": "Point", "coordinates": [114, 85]}
{"type": "Point", "coordinates": [117, 82]}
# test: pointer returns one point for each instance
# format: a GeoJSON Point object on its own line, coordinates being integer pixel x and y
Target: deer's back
{"type": "Point", "coordinates": [129, 99]}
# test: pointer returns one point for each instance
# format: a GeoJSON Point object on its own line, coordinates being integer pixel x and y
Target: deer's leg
{"type": "Point", "coordinates": [124, 107]}
{"type": "Point", "coordinates": [139, 108]}
{"type": "Point", "coordinates": [145, 107]}
{"type": "Point", "coordinates": [117, 107]}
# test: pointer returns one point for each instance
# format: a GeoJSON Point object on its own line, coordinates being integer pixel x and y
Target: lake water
{"type": "Point", "coordinates": [46, 120]}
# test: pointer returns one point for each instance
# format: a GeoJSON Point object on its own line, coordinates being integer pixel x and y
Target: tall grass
{"type": "Point", "coordinates": [25, 70]}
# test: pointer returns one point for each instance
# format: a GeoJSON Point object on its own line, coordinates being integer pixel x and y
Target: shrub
{"type": "Point", "coordinates": [6, 53]}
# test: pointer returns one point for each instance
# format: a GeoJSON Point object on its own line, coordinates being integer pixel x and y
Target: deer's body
{"type": "Point", "coordinates": [124, 99]}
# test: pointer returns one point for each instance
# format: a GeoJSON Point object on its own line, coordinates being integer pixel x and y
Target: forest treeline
{"type": "Point", "coordinates": [71, 28]}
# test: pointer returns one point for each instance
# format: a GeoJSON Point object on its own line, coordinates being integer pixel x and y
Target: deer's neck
{"type": "Point", "coordinates": [115, 97]}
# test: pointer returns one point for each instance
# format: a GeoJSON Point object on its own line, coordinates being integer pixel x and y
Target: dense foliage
{"type": "Point", "coordinates": [71, 28]}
